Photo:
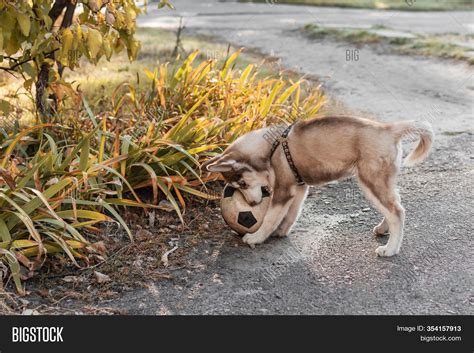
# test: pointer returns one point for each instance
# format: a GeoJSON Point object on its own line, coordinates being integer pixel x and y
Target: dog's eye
{"type": "Point", "coordinates": [242, 184]}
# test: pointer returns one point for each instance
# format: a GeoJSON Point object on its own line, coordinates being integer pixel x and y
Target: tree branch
{"type": "Point", "coordinates": [57, 9]}
{"type": "Point", "coordinates": [19, 63]}
{"type": "Point", "coordinates": [43, 75]}
{"type": "Point", "coordinates": [66, 22]}
{"type": "Point", "coordinates": [69, 14]}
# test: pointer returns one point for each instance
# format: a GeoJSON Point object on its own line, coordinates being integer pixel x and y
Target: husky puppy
{"type": "Point", "coordinates": [317, 151]}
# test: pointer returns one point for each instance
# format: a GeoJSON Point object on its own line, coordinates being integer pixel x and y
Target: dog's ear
{"type": "Point", "coordinates": [222, 165]}
{"type": "Point", "coordinates": [209, 162]}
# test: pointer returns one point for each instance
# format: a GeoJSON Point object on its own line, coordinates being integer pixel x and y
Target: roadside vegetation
{"type": "Point", "coordinates": [447, 46]}
{"type": "Point", "coordinates": [404, 5]}
{"type": "Point", "coordinates": [126, 135]}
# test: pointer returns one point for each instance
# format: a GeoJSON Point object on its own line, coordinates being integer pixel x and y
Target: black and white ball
{"type": "Point", "coordinates": [239, 215]}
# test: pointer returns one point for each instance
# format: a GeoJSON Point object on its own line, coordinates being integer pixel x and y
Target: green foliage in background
{"type": "Point", "coordinates": [39, 38]}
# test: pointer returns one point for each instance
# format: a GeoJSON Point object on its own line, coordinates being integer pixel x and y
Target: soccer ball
{"type": "Point", "coordinates": [239, 215]}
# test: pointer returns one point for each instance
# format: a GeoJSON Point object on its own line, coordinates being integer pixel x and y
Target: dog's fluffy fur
{"type": "Point", "coordinates": [323, 150]}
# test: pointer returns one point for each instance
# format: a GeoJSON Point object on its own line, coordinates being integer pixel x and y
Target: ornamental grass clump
{"type": "Point", "coordinates": [60, 180]}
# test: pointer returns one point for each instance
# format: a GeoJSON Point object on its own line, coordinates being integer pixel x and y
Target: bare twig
{"type": "Point", "coordinates": [164, 257]}
{"type": "Point", "coordinates": [178, 44]}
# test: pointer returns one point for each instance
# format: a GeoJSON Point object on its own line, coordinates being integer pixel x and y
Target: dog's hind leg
{"type": "Point", "coordinates": [378, 184]}
{"type": "Point", "coordinates": [293, 212]}
{"type": "Point", "coordinates": [387, 202]}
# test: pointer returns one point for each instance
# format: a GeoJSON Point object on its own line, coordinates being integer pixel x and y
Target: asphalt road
{"type": "Point", "coordinates": [237, 16]}
{"type": "Point", "coordinates": [386, 86]}
{"type": "Point", "coordinates": [328, 265]}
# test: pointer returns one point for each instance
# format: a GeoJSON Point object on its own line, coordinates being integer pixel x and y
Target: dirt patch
{"type": "Point", "coordinates": [117, 265]}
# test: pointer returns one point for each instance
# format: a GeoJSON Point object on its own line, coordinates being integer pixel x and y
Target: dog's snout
{"type": "Point", "coordinates": [253, 196]}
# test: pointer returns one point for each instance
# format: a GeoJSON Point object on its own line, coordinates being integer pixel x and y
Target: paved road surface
{"type": "Point", "coordinates": [390, 87]}
{"type": "Point", "coordinates": [328, 264]}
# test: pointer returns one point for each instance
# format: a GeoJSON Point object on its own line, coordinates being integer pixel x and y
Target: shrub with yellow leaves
{"type": "Point", "coordinates": [39, 38]}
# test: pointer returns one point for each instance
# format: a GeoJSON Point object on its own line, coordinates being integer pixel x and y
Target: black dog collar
{"type": "Point", "coordinates": [283, 140]}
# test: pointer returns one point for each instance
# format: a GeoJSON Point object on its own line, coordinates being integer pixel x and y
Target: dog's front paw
{"type": "Point", "coordinates": [384, 251]}
{"type": "Point", "coordinates": [253, 239]}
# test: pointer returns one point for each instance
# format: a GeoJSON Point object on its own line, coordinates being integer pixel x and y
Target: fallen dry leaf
{"type": "Point", "coordinates": [71, 279]}
{"type": "Point", "coordinates": [143, 234]}
{"type": "Point", "coordinates": [29, 312]}
{"type": "Point", "coordinates": [100, 277]}
{"type": "Point", "coordinates": [98, 247]}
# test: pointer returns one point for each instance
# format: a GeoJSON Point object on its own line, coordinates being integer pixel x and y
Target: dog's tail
{"type": "Point", "coordinates": [415, 129]}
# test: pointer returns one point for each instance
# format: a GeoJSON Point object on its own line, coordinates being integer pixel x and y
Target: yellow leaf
{"type": "Point", "coordinates": [5, 107]}
{"type": "Point", "coordinates": [23, 243]}
{"type": "Point", "coordinates": [24, 22]}
{"type": "Point", "coordinates": [108, 48]}
{"type": "Point", "coordinates": [94, 42]}
{"type": "Point", "coordinates": [12, 46]}
{"type": "Point", "coordinates": [130, 16]}
{"type": "Point", "coordinates": [133, 49]}
{"type": "Point", "coordinates": [78, 37]}
{"type": "Point", "coordinates": [84, 214]}
{"type": "Point", "coordinates": [67, 39]}
{"type": "Point", "coordinates": [75, 244]}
